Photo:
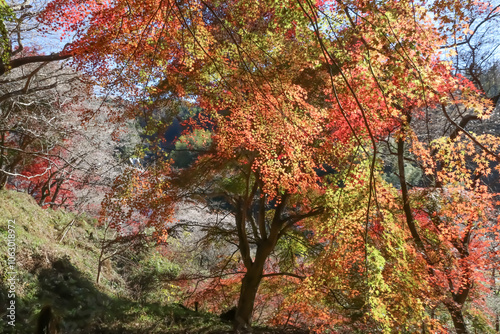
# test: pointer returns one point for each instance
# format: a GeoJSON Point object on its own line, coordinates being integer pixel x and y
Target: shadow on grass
{"type": "Point", "coordinates": [83, 308]}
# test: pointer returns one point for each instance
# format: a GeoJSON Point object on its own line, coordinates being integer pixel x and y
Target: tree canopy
{"type": "Point", "coordinates": [298, 105]}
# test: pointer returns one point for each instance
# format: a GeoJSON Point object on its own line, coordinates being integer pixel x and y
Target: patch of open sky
{"type": "Point", "coordinates": [36, 36]}
{"type": "Point", "coordinates": [485, 34]}
{"type": "Point", "coordinates": [31, 35]}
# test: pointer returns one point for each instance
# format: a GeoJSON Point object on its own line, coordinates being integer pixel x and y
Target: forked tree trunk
{"type": "Point", "coordinates": [266, 237]}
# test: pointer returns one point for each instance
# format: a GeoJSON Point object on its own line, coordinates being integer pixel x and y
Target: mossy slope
{"type": "Point", "coordinates": [62, 273]}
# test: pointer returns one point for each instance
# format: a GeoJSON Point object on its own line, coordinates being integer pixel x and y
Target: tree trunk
{"type": "Point", "coordinates": [457, 317]}
{"type": "Point", "coordinates": [254, 267]}
{"type": "Point", "coordinates": [249, 286]}
{"type": "Point", "coordinates": [3, 176]}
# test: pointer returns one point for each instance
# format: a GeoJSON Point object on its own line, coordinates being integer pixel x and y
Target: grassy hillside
{"type": "Point", "coordinates": [62, 273]}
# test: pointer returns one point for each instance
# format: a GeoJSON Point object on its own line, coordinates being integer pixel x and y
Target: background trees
{"type": "Point", "coordinates": [26, 73]}
{"type": "Point", "coordinates": [476, 55]}
{"type": "Point", "coordinates": [56, 135]}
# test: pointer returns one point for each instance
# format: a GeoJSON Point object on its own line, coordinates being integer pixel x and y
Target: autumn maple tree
{"type": "Point", "coordinates": [298, 97]}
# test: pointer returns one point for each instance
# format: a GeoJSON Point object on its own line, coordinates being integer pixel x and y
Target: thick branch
{"type": "Point", "coordinates": [24, 91]}
{"type": "Point", "coordinates": [406, 198]}
{"type": "Point", "coordinates": [18, 62]}
{"type": "Point", "coordinates": [285, 274]}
